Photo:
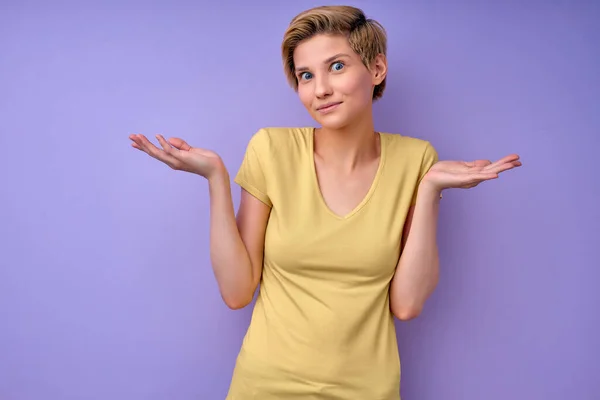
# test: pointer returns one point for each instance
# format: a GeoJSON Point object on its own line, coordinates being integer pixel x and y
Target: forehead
{"type": "Point", "coordinates": [319, 48]}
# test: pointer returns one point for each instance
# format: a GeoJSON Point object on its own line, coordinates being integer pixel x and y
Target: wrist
{"type": "Point", "coordinates": [429, 191]}
{"type": "Point", "coordinates": [218, 174]}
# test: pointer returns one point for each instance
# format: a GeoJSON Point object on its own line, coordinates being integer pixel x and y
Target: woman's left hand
{"type": "Point", "coordinates": [467, 174]}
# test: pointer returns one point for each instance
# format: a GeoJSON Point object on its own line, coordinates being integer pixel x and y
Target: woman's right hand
{"type": "Point", "coordinates": [179, 155]}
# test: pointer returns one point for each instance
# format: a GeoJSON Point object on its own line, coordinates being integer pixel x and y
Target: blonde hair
{"type": "Point", "coordinates": [367, 37]}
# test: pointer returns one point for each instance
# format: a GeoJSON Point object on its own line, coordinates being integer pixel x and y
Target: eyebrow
{"type": "Point", "coordinates": [330, 59]}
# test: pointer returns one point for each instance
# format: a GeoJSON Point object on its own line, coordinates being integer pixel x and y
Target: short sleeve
{"type": "Point", "coordinates": [251, 174]}
{"type": "Point", "coordinates": [429, 158]}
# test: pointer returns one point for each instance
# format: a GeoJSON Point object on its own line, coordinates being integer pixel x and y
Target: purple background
{"type": "Point", "coordinates": [106, 290]}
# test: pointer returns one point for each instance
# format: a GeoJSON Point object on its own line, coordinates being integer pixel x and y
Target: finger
{"type": "Point", "coordinates": [480, 163]}
{"type": "Point", "coordinates": [509, 158]}
{"type": "Point", "coordinates": [166, 146]}
{"type": "Point", "coordinates": [134, 138]}
{"type": "Point", "coordinates": [179, 144]}
{"type": "Point", "coordinates": [505, 167]}
{"type": "Point", "coordinates": [484, 176]}
{"type": "Point", "coordinates": [155, 152]}
{"type": "Point", "coordinates": [139, 142]}
{"type": "Point", "coordinates": [148, 146]}
{"type": "Point", "coordinates": [504, 160]}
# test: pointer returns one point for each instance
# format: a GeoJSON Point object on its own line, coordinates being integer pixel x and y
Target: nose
{"type": "Point", "coordinates": [322, 86]}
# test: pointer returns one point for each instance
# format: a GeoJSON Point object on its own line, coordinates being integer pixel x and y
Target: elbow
{"type": "Point", "coordinates": [238, 296]}
{"type": "Point", "coordinates": [407, 314]}
{"type": "Point", "coordinates": [236, 304]}
{"type": "Point", "coordinates": [237, 301]}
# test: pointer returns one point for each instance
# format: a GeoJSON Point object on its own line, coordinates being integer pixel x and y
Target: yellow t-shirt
{"type": "Point", "coordinates": [322, 327]}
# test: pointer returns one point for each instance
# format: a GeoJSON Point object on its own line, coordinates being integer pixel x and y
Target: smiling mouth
{"type": "Point", "coordinates": [328, 107]}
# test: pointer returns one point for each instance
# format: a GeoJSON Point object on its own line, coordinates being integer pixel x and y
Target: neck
{"type": "Point", "coordinates": [349, 146]}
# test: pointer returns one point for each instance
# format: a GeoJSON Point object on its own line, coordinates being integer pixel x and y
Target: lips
{"type": "Point", "coordinates": [328, 106]}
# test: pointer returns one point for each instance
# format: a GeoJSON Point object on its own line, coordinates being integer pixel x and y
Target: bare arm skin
{"type": "Point", "coordinates": [236, 243]}
{"type": "Point", "coordinates": [417, 272]}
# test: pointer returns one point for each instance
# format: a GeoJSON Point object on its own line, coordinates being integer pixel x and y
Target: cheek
{"type": "Point", "coordinates": [305, 94]}
{"type": "Point", "coordinates": [360, 88]}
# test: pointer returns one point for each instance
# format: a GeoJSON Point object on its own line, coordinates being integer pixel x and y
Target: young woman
{"type": "Point", "coordinates": [336, 223]}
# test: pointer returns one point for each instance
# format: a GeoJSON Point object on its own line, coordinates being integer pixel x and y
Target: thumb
{"type": "Point", "coordinates": [179, 144]}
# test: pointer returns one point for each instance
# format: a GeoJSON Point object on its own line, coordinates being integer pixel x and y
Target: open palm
{"type": "Point", "coordinates": [179, 155]}
{"type": "Point", "coordinates": [468, 174]}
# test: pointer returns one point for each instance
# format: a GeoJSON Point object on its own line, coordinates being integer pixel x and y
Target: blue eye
{"type": "Point", "coordinates": [305, 75]}
{"type": "Point", "coordinates": [337, 66]}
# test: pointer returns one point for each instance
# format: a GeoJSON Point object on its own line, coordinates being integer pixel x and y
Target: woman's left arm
{"type": "Point", "coordinates": [417, 272]}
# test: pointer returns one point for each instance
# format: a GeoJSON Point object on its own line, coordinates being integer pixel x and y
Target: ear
{"type": "Point", "coordinates": [379, 69]}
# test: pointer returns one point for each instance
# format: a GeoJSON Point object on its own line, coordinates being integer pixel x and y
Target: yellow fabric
{"type": "Point", "coordinates": [322, 326]}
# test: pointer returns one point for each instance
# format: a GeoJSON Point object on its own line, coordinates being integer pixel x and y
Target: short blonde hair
{"type": "Point", "coordinates": [367, 37]}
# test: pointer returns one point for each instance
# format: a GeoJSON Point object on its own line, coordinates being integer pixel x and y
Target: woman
{"type": "Point", "coordinates": [336, 223]}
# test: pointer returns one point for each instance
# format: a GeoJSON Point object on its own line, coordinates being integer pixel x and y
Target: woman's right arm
{"type": "Point", "coordinates": [236, 244]}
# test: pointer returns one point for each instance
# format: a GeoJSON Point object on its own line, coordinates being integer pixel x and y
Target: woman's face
{"type": "Point", "coordinates": [333, 83]}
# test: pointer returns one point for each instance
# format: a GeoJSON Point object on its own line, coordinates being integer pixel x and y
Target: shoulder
{"type": "Point", "coordinates": [407, 144]}
{"type": "Point", "coordinates": [412, 149]}
{"type": "Point", "coordinates": [275, 140]}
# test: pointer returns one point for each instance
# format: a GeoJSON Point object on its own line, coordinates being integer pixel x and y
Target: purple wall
{"type": "Point", "coordinates": [106, 291]}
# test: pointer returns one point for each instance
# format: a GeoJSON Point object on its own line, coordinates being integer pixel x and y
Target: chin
{"type": "Point", "coordinates": [333, 122]}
